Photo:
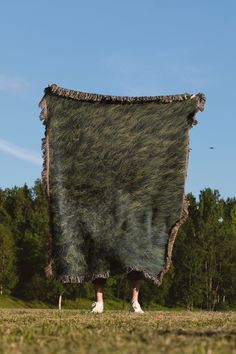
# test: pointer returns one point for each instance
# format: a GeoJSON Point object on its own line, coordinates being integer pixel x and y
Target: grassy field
{"type": "Point", "coordinates": [78, 331]}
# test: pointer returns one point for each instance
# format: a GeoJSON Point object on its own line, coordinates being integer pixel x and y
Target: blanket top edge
{"type": "Point", "coordinates": [53, 89]}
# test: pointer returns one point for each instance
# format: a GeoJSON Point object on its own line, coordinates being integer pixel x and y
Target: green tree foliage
{"type": "Point", "coordinates": [8, 277]}
{"type": "Point", "coordinates": [188, 257]}
{"type": "Point", "coordinates": [204, 254]}
{"type": "Point", "coordinates": [215, 243]}
{"type": "Point", "coordinates": [20, 206]}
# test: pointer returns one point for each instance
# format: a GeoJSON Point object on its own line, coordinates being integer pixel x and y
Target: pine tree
{"type": "Point", "coordinates": [187, 287]}
{"type": "Point", "coordinates": [8, 277]}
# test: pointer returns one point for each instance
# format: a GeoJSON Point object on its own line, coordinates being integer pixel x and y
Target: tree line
{"type": "Point", "coordinates": [202, 275]}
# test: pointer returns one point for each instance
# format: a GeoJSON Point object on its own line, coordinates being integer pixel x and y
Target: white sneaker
{"type": "Point", "coordinates": [97, 307]}
{"type": "Point", "coordinates": [135, 307]}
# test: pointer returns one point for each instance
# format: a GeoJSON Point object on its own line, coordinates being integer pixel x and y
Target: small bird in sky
{"type": "Point", "coordinates": [211, 148]}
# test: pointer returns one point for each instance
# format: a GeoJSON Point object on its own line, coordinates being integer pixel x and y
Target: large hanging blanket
{"type": "Point", "coordinates": [114, 171]}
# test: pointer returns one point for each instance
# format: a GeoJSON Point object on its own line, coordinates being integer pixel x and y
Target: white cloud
{"type": "Point", "coordinates": [8, 84]}
{"type": "Point", "coordinates": [19, 152]}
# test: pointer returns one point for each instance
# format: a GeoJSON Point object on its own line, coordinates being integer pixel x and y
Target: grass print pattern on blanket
{"type": "Point", "coordinates": [115, 169]}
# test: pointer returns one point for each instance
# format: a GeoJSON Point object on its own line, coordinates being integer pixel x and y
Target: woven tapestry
{"type": "Point", "coordinates": [114, 171]}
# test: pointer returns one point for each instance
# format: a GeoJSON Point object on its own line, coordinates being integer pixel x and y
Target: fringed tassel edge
{"type": "Point", "coordinates": [45, 145]}
{"type": "Point", "coordinates": [173, 233]}
{"type": "Point", "coordinates": [45, 178]}
{"type": "Point", "coordinates": [93, 97]}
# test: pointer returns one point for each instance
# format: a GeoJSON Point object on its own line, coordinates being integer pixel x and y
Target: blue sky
{"type": "Point", "coordinates": [125, 47]}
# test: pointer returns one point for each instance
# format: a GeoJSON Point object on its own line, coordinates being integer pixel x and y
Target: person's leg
{"type": "Point", "coordinates": [98, 289]}
{"type": "Point", "coordinates": [97, 305]}
{"type": "Point", "coordinates": [134, 287]}
{"type": "Point", "coordinates": [134, 278]}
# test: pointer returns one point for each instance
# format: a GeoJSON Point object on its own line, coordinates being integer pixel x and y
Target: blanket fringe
{"type": "Point", "coordinates": [45, 145]}
{"type": "Point", "coordinates": [48, 270]}
{"type": "Point", "coordinates": [93, 97]}
{"type": "Point", "coordinates": [81, 278]}
{"type": "Point", "coordinates": [173, 233]}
